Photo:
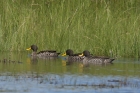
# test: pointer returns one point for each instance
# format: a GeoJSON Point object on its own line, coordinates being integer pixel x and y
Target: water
{"type": "Point", "coordinates": [19, 73]}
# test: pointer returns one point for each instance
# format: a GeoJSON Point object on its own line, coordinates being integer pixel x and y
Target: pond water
{"type": "Point", "coordinates": [20, 73]}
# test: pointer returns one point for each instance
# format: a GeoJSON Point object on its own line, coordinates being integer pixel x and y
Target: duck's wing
{"type": "Point", "coordinates": [77, 54]}
{"type": "Point", "coordinates": [50, 51]}
{"type": "Point", "coordinates": [104, 57]}
{"type": "Point", "coordinates": [108, 59]}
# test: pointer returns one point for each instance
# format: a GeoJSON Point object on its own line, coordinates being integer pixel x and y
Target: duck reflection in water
{"type": "Point", "coordinates": [32, 60]}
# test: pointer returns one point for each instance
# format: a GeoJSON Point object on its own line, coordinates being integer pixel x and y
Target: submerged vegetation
{"type": "Point", "coordinates": [104, 27]}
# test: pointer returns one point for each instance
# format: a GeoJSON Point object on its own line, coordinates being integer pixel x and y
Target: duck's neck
{"type": "Point", "coordinates": [34, 53]}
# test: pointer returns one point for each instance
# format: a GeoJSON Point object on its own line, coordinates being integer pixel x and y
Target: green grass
{"type": "Point", "coordinates": [105, 27]}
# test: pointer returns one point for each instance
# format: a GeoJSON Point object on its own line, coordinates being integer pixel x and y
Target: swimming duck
{"type": "Point", "coordinates": [45, 53]}
{"type": "Point", "coordinates": [72, 56]}
{"type": "Point", "coordinates": [98, 60]}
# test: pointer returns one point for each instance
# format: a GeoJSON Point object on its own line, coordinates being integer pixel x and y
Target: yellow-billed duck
{"type": "Point", "coordinates": [72, 56]}
{"type": "Point", "coordinates": [98, 60]}
{"type": "Point", "coordinates": [45, 53]}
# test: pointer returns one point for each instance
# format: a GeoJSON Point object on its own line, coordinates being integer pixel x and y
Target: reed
{"type": "Point", "coordinates": [105, 27]}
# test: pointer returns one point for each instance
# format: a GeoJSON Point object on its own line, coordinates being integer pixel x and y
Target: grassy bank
{"type": "Point", "coordinates": [105, 27]}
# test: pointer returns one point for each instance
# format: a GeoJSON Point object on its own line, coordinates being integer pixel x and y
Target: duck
{"type": "Point", "coordinates": [44, 53]}
{"type": "Point", "coordinates": [97, 60]}
{"type": "Point", "coordinates": [72, 56]}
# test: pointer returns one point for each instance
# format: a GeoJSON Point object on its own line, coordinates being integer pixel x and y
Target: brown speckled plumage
{"type": "Point", "coordinates": [97, 60]}
{"type": "Point", "coordinates": [45, 53]}
{"type": "Point", "coordinates": [72, 56]}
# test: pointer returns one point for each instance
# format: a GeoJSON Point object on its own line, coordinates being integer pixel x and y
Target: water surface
{"type": "Point", "coordinates": [20, 73]}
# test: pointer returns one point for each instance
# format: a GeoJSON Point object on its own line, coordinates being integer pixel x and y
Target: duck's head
{"type": "Point", "coordinates": [68, 52]}
{"type": "Point", "coordinates": [85, 53]}
{"type": "Point", "coordinates": [33, 47]}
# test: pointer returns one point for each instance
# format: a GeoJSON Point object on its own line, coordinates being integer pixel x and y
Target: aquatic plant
{"type": "Point", "coordinates": [104, 27]}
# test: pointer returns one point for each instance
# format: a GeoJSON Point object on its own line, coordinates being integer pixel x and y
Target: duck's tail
{"type": "Point", "coordinates": [111, 60]}
{"type": "Point", "coordinates": [58, 53]}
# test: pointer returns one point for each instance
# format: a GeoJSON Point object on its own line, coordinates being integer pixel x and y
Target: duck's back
{"type": "Point", "coordinates": [75, 58]}
{"type": "Point", "coordinates": [97, 60]}
{"type": "Point", "coordinates": [48, 53]}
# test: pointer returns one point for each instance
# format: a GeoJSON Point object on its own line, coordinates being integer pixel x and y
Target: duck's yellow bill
{"type": "Point", "coordinates": [28, 48]}
{"type": "Point", "coordinates": [64, 54]}
{"type": "Point", "coordinates": [81, 55]}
